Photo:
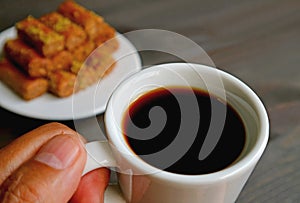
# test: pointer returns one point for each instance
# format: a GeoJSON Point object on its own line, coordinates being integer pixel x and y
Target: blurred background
{"type": "Point", "coordinates": [257, 41]}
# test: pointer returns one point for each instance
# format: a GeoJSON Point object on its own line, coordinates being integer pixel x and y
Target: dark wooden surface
{"type": "Point", "coordinates": [257, 41]}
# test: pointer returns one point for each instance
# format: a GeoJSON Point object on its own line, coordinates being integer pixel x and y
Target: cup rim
{"type": "Point", "coordinates": [248, 161]}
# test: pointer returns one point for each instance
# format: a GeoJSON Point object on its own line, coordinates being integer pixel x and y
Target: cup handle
{"type": "Point", "coordinates": [100, 155]}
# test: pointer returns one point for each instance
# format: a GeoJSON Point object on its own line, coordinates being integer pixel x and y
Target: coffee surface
{"type": "Point", "coordinates": [229, 145]}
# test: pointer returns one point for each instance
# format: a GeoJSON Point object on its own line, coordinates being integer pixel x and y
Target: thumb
{"type": "Point", "coordinates": [51, 176]}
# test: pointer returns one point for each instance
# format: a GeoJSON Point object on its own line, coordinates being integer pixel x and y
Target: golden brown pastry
{"type": "Point", "coordinates": [25, 86]}
{"type": "Point", "coordinates": [62, 52]}
{"type": "Point", "coordinates": [73, 33]}
{"type": "Point", "coordinates": [62, 60]}
{"type": "Point", "coordinates": [45, 40]}
{"type": "Point", "coordinates": [61, 83]}
{"type": "Point", "coordinates": [82, 16]}
{"type": "Point", "coordinates": [83, 51]}
{"type": "Point", "coordinates": [27, 58]}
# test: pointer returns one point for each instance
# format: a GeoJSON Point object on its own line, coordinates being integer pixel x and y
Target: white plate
{"type": "Point", "coordinates": [87, 103]}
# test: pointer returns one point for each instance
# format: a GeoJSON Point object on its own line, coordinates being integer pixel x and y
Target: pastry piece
{"type": "Point", "coordinates": [62, 83]}
{"type": "Point", "coordinates": [94, 25]}
{"type": "Point", "coordinates": [111, 45]}
{"type": "Point", "coordinates": [106, 34]}
{"type": "Point", "coordinates": [94, 65]}
{"type": "Point", "coordinates": [44, 39]}
{"type": "Point", "coordinates": [93, 69]}
{"type": "Point", "coordinates": [27, 58]}
{"type": "Point", "coordinates": [73, 33]}
{"type": "Point", "coordinates": [88, 50]}
{"type": "Point", "coordinates": [83, 51]}
{"type": "Point", "coordinates": [25, 86]}
{"type": "Point", "coordinates": [62, 61]}
{"type": "Point", "coordinates": [82, 16]}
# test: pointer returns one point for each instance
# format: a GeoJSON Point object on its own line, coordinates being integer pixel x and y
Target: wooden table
{"type": "Point", "coordinates": [257, 41]}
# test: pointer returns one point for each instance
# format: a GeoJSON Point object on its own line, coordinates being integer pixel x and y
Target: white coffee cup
{"type": "Point", "coordinates": [141, 182]}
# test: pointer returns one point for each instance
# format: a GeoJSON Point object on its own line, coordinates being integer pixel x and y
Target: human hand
{"type": "Point", "coordinates": [45, 165]}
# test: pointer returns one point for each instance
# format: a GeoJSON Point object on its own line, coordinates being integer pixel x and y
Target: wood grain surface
{"type": "Point", "coordinates": [257, 41]}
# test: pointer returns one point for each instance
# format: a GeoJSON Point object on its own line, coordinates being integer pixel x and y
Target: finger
{"type": "Point", "coordinates": [92, 187]}
{"type": "Point", "coordinates": [26, 146]}
{"type": "Point", "coordinates": [51, 176]}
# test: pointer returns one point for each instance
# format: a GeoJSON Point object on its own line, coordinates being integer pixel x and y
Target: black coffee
{"type": "Point", "coordinates": [226, 151]}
